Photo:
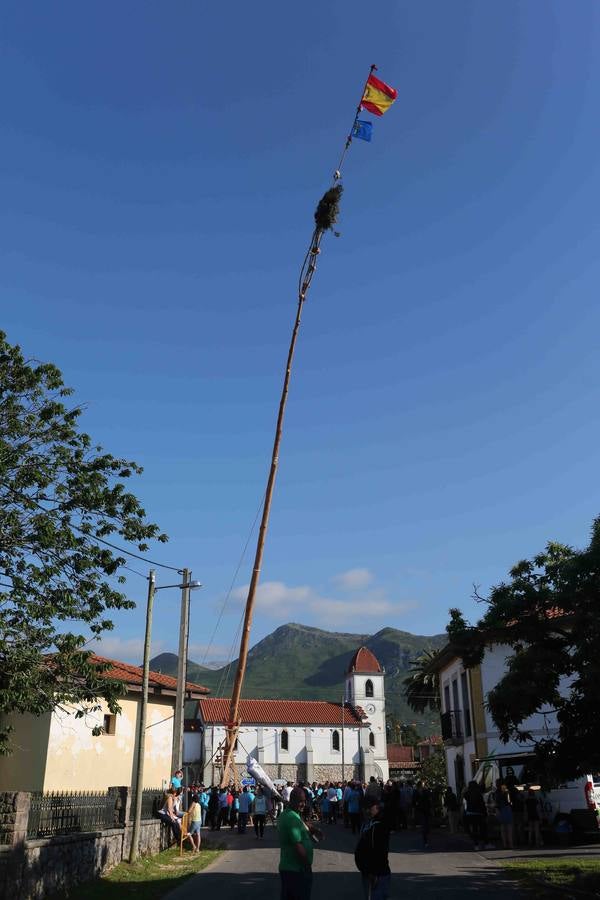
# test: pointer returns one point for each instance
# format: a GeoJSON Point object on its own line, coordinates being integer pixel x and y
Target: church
{"type": "Point", "coordinates": [300, 740]}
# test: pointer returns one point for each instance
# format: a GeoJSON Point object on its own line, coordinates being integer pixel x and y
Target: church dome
{"type": "Point", "coordinates": [364, 661]}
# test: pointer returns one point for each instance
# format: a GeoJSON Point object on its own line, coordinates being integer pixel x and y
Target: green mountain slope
{"type": "Point", "coordinates": [297, 661]}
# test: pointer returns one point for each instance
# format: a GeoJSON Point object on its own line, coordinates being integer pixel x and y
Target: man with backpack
{"type": "Point", "coordinates": [371, 854]}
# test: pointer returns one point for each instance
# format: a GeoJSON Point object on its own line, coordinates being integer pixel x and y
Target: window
{"type": "Point", "coordinates": [109, 725]}
{"type": "Point", "coordinates": [335, 740]}
{"type": "Point", "coordinates": [371, 739]}
{"type": "Point", "coordinates": [284, 740]}
{"type": "Point", "coordinates": [446, 698]}
{"type": "Point", "coordinates": [464, 689]}
{"type": "Point", "coordinates": [369, 688]}
{"type": "Point", "coordinates": [235, 746]}
{"type": "Point", "coordinates": [455, 699]}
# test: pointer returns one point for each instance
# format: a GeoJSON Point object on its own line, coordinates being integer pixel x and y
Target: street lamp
{"type": "Point", "coordinates": [141, 737]}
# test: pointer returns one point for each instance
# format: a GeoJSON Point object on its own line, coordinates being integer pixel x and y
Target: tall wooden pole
{"type": "Point", "coordinates": [308, 270]}
{"type": "Point", "coordinates": [232, 725]}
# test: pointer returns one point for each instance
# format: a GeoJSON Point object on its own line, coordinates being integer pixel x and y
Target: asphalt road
{"type": "Point", "coordinates": [449, 869]}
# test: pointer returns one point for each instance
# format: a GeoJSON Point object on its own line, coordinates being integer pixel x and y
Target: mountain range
{"type": "Point", "coordinates": [301, 662]}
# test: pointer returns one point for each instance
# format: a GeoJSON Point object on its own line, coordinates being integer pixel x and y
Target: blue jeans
{"type": "Point", "coordinates": [378, 891]}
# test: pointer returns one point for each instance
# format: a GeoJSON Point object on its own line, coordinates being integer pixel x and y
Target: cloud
{"type": "Point", "coordinates": [205, 654]}
{"type": "Point", "coordinates": [275, 597]}
{"type": "Point", "coordinates": [129, 650]}
{"type": "Point", "coordinates": [353, 579]}
{"type": "Point", "coordinates": [304, 604]}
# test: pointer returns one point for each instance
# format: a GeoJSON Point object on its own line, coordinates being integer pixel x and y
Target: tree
{"type": "Point", "coordinates": [401, 732]}
{"type": "Point", "coordinates": [421, 687]}
{"type": "Point", "coordinates": [60, 497]}
{"type": "Point", "coordinates": [433, 770]}
{"type": "Point", "coordinates": [547, 613]}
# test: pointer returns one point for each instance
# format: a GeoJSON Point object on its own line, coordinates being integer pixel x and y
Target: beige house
{"type": "Point", "coordinates": [57, 751]}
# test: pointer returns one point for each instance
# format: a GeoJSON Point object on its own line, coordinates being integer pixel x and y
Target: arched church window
{"type": "Point", "coordinates": [371, 739]}
{"type": "Point", "coordinates": [284, 740]}
{"type": "Point", "coordinates": [369, 688]}
{"type": "Point", "coordinates": [335, 740]}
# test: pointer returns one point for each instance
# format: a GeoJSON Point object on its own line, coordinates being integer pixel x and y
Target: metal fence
{"type": "Point", "coordinates": [64, 813]}
{"type": "Point", "coordinates": [152, 801]}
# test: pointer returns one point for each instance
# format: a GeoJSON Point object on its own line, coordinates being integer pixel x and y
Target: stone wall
{"type": "Point", "coordinates": [35, 869]}
{"type": "Point", "coordinates": [293, 772]}
{"type": "Point", "coordinates": [333, 772]}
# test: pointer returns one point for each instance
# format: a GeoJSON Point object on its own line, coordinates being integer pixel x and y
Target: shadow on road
{"type": "Point", "coordinates": [466, 882]}
{"type": "Point", "coordinates": [448, 869]}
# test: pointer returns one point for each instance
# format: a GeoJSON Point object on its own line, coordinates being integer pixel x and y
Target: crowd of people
{"type": "Point", "coordinates": [371, 811]}
{"type": "Point", "coordinates": [515, 807]}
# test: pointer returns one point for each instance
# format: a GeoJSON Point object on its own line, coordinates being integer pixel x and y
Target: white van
{"type": "Point", "coordinates": [580, 797]}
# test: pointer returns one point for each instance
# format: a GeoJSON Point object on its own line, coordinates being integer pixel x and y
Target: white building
{"type": "Point", "coordinates": [468, 730]}
{"type": "Point", "coordinates": [301, 740]}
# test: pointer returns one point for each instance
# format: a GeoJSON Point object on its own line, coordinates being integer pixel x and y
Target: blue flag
{"type": "Point", "coordinates": [363, 130]}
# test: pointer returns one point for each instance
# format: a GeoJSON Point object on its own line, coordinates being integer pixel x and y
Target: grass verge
{"type": "Point", "coordinates": [150, 877]}
{"type": "Point", "coordinates": [557, 877]}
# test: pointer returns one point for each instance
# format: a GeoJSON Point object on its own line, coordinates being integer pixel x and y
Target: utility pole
{"type": "Point", "coordinates": [141, 735]}
{"type": "Point", "coordinates": [343, 762]}
{"type": "Point", "coordinates": [184, 631]}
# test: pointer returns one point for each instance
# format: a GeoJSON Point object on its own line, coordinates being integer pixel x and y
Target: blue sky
{"type": "Point", "coordinates": [159, 168]}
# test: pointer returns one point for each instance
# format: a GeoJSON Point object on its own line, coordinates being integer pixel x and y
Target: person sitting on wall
{"type": "Point", "coordinates": [168, 815]}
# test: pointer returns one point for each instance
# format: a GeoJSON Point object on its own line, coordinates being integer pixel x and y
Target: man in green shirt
{"type": "Point", "coordinates": [295, 861]}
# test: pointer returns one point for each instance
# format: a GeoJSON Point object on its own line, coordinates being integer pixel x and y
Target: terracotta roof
{"type": "Point", "coordinates": [397, 753]}
{"type": "Point", "coordinates": [121, 671]}
{"type": "Point", "coordinates": [432, 739]}
{"type": "Point", "coordinates": [364, 661]}
{"type": "Point", "coordinates": [281, 712]}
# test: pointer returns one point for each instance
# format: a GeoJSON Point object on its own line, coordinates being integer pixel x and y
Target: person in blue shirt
{"type": "Point", "coordinates": [235, 809]}
{"type": "Point", "coordinates": [245, 804]}
{"type": "Point", "coordinates": [353, 799]}
{"type": "Point", "coordinates": [204, 805]}
{"type": "Point", "coordinates": [176, 779]}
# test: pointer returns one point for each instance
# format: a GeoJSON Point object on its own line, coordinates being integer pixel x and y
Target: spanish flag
{"type": "Point", "coordinates": [378, 96]}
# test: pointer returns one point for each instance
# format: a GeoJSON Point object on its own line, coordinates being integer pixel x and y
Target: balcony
{"type": "Point", "coordinates": [452, 727]}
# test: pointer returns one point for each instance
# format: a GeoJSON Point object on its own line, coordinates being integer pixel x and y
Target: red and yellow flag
{"type": "Point", "coordinates": [378, 96]}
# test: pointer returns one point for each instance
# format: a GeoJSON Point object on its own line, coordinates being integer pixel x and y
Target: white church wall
{"type": "Point", "coordinates": [322, 762]}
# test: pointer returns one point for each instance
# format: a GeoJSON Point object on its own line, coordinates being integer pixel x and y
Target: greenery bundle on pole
{"type": "Point", "coordinates": [328, 208]}
{"type": "Point", "coordinates": [59, 494]}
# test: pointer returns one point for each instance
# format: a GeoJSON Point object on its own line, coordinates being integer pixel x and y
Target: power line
{"type": "Point", "coordinates": [135, 572]}
{"type": "Point", "coordinates": [127, 552]}
{"type": "Point", "coordinates": [233, 580]}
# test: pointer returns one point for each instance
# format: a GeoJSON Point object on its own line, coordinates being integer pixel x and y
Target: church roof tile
{"type": "Point", "coordinates": [281, 712]}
